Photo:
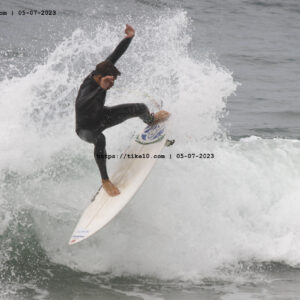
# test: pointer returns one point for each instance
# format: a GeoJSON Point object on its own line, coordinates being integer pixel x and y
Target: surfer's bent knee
{"type": "Point", "coordinates": [142, 107]}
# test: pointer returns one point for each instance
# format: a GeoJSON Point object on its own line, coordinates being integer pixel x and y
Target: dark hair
{"type": "Point", "coordinates": [106, 68]}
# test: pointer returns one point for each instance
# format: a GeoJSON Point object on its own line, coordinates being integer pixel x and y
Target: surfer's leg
{"type": "Point", "coordinates": [117, 114]}
{"type": "Point", "coordinates": [98, 139]}
{"type": "Point", "coordinates": [100, 155]}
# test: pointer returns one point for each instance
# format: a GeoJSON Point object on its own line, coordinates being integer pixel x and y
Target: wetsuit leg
{"type": "Point", "coordinates": [97, 138]}
{"type": "Point", "coordinates": [117, 114]}
{"type": "Point", "coordinates": [112, 116]}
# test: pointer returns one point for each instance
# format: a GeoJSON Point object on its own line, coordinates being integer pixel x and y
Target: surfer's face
{"type": "Point", "coordinates": [105, 82]}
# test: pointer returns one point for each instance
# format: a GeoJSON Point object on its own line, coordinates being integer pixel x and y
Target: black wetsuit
{"type": "Point", "coordinates": [92, 117]}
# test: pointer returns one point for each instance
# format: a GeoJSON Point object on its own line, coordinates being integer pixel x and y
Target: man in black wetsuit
{"type": "Point", "coordinates": [92, 117]}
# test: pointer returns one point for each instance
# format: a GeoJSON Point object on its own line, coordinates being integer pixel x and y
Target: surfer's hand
{"type": "Point", "coordinates": [160, 116]}
{"type": "Point", "coordinates": [129, 31]}
{"type": "Point", "coordinates": [110, 188]}
{"type": "Point", "coordinates": [107, 82]}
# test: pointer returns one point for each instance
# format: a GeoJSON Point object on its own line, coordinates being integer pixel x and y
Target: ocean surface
{"type": "Point", "coordinates": [226, 228]}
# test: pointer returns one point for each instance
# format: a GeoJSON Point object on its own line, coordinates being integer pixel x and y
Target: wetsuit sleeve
{"type": "Point", "coordinates": [119, 51]}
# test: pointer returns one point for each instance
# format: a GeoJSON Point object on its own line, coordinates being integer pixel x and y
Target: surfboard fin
{"type": "Point", "coordinates": [169, 143]}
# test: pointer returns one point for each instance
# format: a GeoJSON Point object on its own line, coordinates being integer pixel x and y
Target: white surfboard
{"type": "Point", "coordinates": [129, 176]}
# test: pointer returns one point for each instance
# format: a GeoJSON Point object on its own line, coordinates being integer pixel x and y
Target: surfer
{"type": "Point", "coordinates": [92, 117]}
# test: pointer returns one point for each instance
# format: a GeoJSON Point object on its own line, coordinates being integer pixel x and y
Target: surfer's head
{"type": "Point", "coordinates": [107, 68]}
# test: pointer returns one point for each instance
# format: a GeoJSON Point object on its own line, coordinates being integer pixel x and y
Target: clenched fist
{"type": "Point", "coordinates": [129, 31]}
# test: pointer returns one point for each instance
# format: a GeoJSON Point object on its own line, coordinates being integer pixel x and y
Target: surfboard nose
{"type": "Point", "coordinates": [78, 236]}
{"type": "Point", "coordinates": [72, 241]}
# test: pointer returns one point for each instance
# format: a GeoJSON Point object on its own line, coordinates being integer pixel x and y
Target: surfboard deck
{"type": "Point", "coordinates": [133, 168]}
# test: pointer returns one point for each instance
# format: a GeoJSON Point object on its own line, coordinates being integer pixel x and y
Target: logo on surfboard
{"type": "Point", "coordinates": [151, 134]}
{"type": "Point", "coordinates": [80, 233]}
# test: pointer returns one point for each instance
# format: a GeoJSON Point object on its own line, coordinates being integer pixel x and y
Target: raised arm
{"type": "Point", "coordinates": [122, 47]}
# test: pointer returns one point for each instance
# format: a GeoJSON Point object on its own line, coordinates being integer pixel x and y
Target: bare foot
{"type": "Point", "coordinates": [110, 188]}
{"type": "Point", "coordinates": [161, 116]}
